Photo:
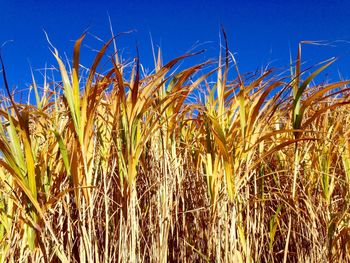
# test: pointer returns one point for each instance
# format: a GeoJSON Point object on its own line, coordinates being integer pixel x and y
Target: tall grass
{"type": "Point", "coordinates": [121, 167]}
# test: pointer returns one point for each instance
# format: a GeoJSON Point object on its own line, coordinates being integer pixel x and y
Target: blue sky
{"type": "Point", "coordinates": [259, 32]}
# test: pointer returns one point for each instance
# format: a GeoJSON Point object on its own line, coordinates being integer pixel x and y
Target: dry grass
{"type": "Point", "coordinates": [112, 168]}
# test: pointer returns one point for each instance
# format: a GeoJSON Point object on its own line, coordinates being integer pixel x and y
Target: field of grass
{"type": "Point", "coordinates": [117, 166]}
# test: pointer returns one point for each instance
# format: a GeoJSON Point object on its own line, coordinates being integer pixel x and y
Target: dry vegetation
{"type": "Point", "coordinates": [119, 167]}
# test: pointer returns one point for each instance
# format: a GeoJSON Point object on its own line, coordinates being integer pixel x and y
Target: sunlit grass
{"type": "Point", "coordinates": [118, 167]}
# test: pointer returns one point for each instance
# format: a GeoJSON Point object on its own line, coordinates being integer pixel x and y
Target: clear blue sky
{"type": "Point", "coordinates": [259, 32]}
